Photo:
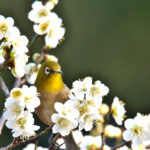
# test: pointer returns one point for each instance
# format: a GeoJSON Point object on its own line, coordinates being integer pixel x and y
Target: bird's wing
{"type": "Point", "coordinates": [62, 96]}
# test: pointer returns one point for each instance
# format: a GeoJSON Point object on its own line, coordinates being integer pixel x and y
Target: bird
{"type": "Point", "coordinates": [50, 86]}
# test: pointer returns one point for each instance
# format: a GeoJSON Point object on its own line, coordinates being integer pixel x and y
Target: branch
{"type": "Point", "coordinates": [52, 144]}
{"type": "Point", "coordinates": [4, 87]}
{"type": "Point", "coordinates": [6, 92]}
{"type": "Point", "coordinates": [2, 122]}
{"type": "Point", "coordinates": [34, 39]}
{"type": "Point", "coordinates": [103, 137]}
{"type": "Point", "coordinates": [121, 145]}
{"type": "Point", "coordinates": [12, 145]}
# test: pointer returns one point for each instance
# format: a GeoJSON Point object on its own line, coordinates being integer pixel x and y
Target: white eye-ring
{"type": "Point", "coordinates": [47, 70]}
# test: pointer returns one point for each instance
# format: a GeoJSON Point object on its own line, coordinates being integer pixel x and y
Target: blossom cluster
{"type": "Point", "coordinates": [13, 47]}
{"type": "Point", "coordinates": [19, 107]}
{"type": "Point", "coordinates": [138, 131]}
{"type": "Point", "coordinates": [47, 22]}
{"type": "Point", "coordinates": [82, 108]}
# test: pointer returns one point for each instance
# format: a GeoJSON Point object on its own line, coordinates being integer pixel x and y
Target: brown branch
{"type": "Point", "coordinates": [52, 144]}
{"type": "Point", "coordinates": [12, 145]}
{"type": "Point", "coordinates": [121, 145]}
{"type": "Point", "coordinates": [103, 137]}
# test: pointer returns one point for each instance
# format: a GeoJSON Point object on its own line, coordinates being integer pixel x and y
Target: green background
{"type": "Point", "coordinates": [108, 40]}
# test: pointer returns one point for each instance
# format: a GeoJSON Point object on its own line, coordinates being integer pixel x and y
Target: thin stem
{"type": "Point", "coordinates": [12, 145]}
{"type": "Point", "coordinates": [36, 144]}
{"type": "Point", "coordinates": [103, 137]}
{"type": "Point", "coordinates": [34, 39]}
{"type": "Point", "coordinates": [51, 147]}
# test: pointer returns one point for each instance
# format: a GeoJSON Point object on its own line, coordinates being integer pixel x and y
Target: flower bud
{"type": "Point", "coordinates": [50, 57]}
{"type": "Point", "coordinates": [36, 57]}
{"type": "Point", "coordinates": [104, 109]}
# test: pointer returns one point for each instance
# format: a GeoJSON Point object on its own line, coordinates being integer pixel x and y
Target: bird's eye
{"type": "Point", "coordinates": [47, 70]}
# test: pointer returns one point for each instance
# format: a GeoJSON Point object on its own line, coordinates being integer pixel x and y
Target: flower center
{"type": "Point", "coordinates": [114, 111]}
{"type": "Point", "coordinates": [44, 26]}
{"type": "Point", "coordinates": [16, 94]}
{"type": "Point", "coordinates": [3, 28]}
{"type": "Point", "coordinates": [21, 122]}
{"type": "Point", "coordinates": [27, 98]}
{"type": "Point", "coordinates": [95, 90]}
{"type": "Point", "coordinates": [137, 130]}
{"type": "Point", "coordinates": [42, 13]}
{"type": "Point", "coordinates": [17, 110]}
{"type": "Point", "coordinates": [63, 122]}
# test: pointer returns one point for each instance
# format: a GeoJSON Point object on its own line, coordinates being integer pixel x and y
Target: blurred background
{"type": "Point", "coordinates": [108, 40]}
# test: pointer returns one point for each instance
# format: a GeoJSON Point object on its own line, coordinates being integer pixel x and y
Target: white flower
{"type": "Point", "coordinates": [78, 136]}
{"type": "Point", "coordinates": [99, 89]}
{"type": "Point", "coordinates": [90, 142]}
{"type": "Point", "coordinates": [67, 109]}
{"type": "Point", "coordinates": [33, 76]}
{"type": "Point", "coordinates": [55, 34]}
{"type": "Point", "coordinates": [118, 110]}
{"type": "Point", "coordinates": [13, 109]}
{"type": "Point", "coordinates": [19, 65]}
{"type": "Point", "coordinates": [38, 12]}
{"type": "Point", "coordinates": [23, 126]}
{"type": "Point", "coordinates": [42, 28]}
{"type": "Point", "coordinates": [81, 87]}
{"type": "Point", "coordinates": [46, 24]}
{"type": "Point", "coordinates": [31, 100]}
{"type": "Point", "coordinates": [19, 42]}
{"type": "Point", "coordinates": [16, 93]}
{"type": "Point", "coordinates": [5, 25]}
{"type": "Point", "coordinates": [31, 146]}
{"type": "Point", "coordinates": [63, 124]}
{"type": "Point", "coordinates": [123, 148]}
{"type": "Point", "coordinates": [136, 130]}
{"type": "Point", "coordinates": [86, 121]}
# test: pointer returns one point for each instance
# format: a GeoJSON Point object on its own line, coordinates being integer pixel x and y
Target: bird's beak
{"type": "Point", "coordinates": [60, 72]}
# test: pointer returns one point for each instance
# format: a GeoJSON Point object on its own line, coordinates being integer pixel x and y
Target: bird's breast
{"type": "Point", "coordinates": [48, 99]}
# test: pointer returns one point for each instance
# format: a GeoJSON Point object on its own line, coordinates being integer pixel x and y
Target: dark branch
{"type": "Point", "coordinates": [12, 145]}
{"type": "Point", "coordinates": [34, 39]}
{"type": "Point", "coordinates": [52, 145]}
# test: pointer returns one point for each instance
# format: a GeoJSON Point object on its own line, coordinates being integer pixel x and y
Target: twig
{"type": "Point", "coordinates": [118, 146]}
{"type": "Point", "coordinates": [4, 87]}
{"type": "Point", "coordinates": [6, 92]}
{"type": "Point", "coordinates": [103, 137]}
{"type": "Point", "coordinates": [34, 39]}
{"type": "Point", "coordinates": [2, 122]}
{"type": "Point", "coordinates": [51, 147]}
{"type": "Point", "coordinates": [12, 145]}
{"type": "Point", "coordinates": [36, 144]}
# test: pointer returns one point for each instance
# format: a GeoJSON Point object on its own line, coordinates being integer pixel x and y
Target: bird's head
{"type": "Point", "coordinates": [49, 76]}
